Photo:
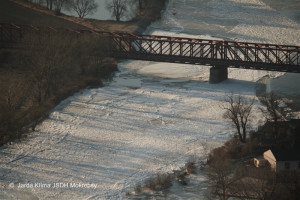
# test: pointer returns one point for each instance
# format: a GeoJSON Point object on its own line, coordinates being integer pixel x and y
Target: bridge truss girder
{"type": "Point", "coordinates": [209, 52]}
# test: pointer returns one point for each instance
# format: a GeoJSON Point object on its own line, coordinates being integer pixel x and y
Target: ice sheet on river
{"type": "Point", "coordinates": [115, 136]}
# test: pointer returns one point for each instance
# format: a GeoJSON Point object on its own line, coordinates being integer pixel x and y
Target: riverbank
{"type": "Point", "coordinates": [35, 79]}
{"type": "Point", "coordinates": [18, 119]}
{"type": "Point", "coordinates": [151, 12]}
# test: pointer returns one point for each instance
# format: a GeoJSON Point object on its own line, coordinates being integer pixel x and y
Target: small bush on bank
{"type": "Point", "coordinates": [138, 188]}
{"type": "Point", "coordinates": [159, 182]}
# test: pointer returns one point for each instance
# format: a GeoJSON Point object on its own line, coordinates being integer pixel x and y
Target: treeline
{"type": "Point", "coordinates": [81, 7]}
{"type": "Point", "coordinates": [49, 4]}
{"type": "Point", "coordinates": [117, 8]}
{"type": "Point", "coordinates": [41, 70]}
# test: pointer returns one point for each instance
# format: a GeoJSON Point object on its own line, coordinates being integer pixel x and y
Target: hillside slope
{"type": "Point", "coordinates": [11, 12]}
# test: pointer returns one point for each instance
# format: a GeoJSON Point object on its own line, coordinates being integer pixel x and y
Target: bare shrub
{"type": "Point", "coordinates": [216, 153]}
{"type": "Point", "coordinates": [138, 188]}
{"type": "Point", "coordinates": [159, 182]}
{"type": "Point", "coordinates": [16, 88]}
{"type": "Point", "coordinates": [5, 124]}
{"type": "Point", "coordinates": [235, 149]}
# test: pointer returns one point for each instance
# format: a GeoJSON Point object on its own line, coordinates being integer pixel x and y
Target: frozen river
{"type": "Point", "coordinates": [151, 118]}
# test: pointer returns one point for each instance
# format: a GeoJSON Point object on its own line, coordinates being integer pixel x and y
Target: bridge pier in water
{"type": "Point", "coordinates": [218, 74]}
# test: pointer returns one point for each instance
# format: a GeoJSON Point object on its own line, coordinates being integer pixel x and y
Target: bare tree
{"type": "Point", "coordinates": [118, 8]}
{"type": "Point", "coordinates": [83, 7]}
{"type": "Point", "coordinates": [257, 183]}
{"type": "Point", "coordinates": [222, 178]}
{"type": "Point", "coordinates": [49, 4]}
{"type": "Point", "coordinates": [274, 112]}
{"type": "Point", "coordinates": [239, 111]}
{"type": "Point", "coordinates": [58, 4]}
{"type": "Point", "coordinates": [38, 2]}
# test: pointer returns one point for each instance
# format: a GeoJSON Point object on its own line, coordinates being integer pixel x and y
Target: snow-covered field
{"type": "Point", "coordinates": [110, 138]}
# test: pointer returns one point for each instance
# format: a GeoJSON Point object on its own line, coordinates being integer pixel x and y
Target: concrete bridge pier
{"type": "Point", "coordinates": [218, 74]}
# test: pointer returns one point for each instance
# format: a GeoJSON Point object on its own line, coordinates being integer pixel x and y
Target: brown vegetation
{"type": "Point", "coordinates": [156, 183]}
{"type": "Point", "coordinates": [34, 78]}
{"type": "Point", "coordinates": [42, 70]}
{"type": "Point", "coordinates": [159, 182]}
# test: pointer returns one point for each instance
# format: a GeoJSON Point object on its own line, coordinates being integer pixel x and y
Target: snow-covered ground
{"type": "Point", "coordinates": [110, 138]}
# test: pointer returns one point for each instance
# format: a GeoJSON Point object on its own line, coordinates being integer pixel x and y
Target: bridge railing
{"type": "Point", "coordinates": [236, 54]}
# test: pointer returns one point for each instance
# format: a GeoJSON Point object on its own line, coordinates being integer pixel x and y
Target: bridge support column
{"type": "Point", "coordinates": [218, 74]}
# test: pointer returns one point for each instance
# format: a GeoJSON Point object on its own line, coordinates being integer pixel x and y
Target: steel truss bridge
{"type": "Point", "coordinates": [218, 53]}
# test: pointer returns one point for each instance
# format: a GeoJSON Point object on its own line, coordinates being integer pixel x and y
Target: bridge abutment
{"type": "Point", "coordinates": [218, 74]}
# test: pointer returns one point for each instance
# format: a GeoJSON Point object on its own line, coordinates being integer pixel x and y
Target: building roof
{"type": "Point", "coordinates": [282, 154]}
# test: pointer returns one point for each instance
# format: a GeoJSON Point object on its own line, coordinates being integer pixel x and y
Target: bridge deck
{"type": "Point", "coordinates": [273, 57]}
